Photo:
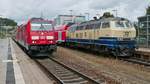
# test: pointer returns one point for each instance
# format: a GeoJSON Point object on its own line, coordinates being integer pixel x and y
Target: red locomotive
{"type": "Point", "coordinates": [37, 36]}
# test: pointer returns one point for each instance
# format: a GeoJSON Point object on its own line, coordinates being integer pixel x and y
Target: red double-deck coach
{"type": "Point", "coordinates": [61, 33]}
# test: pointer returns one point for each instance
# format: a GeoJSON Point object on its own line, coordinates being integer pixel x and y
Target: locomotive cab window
{"type": "Point", "coordinates": [105, 25]}
{"type": "Point", "coordinates": [128, 24]}
{"type": "Point", "coordinates": [123, 24]}
{"type": "Point", "coordinates": [41, 27]}
{"type": "Point", "coordinates": [72, 29]}
{"type": "Point", "coordinates": [98, 25]}
{"type": "Point", "coordinates": [119, 24]}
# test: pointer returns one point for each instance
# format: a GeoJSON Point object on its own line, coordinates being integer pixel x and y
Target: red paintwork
{"type": "Point", "coordinates": [24, 34]}
{"type": "Point", "coordinates": [62, 31]}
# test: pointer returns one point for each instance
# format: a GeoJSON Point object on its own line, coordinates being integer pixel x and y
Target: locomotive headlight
{"type": "Point", "coordinates": [35, 37]}
{"type": "Point", "coordinates": [50, 37]}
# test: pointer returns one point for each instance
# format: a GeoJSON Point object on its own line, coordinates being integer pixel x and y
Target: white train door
{"type": "Point", "coordinates": [59, 36]}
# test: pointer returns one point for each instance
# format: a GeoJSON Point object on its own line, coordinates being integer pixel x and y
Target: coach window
{"type": "Point", "coordinates": [80, 27]}
{"type": "Point", "coordinates": [85, 34]}
{"type": "Point", "coordinates": [80, 35]}
{"type": "Point", "coordinates": [87, 26]}
{"type": "Point", "coordinates": [71, 29]}
{"type": "Point", "coordinates": [84, 26]}
{"type": "Point", "coordinates": [98, 25]}
{"type": "Point", "coordinates": [105, 25]}
{"type": "Point", "coordinates": [92, 26]}
{"type": "Point", "coordinates": [76, 35]}
{"type": "Point", "coordinates": [120, 24]}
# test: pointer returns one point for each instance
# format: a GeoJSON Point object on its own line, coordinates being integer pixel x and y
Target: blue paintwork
{"type": "Point", "coordinates": [110, 42]}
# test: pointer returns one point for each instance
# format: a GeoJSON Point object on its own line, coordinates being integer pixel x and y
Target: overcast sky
{"type": "Point", "coordinates": [21, 10]}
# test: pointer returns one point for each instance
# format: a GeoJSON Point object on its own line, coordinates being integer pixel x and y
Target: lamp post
{"type": "Point", "coordinates": [0, 29]}
{"type": "Point", "coordinates": [116, 12]}
{"type": "Point", "coordinates": [71, 13]}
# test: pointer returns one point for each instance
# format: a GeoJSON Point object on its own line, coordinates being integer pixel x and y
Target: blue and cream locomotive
{"type": "Point", "coordinates": [113, 35]}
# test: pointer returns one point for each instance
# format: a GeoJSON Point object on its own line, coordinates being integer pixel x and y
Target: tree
{"type": "Point", "coordinates": [7, 22]}
{"type": "Point", "coordinates": [148, 11]}
{"type": "Point", "coordinates": [107, 15]}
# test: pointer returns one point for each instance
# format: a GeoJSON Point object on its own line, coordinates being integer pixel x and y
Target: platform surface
{"type": "Point", "coordinates": [3, 57]}
{"type": "Point", "coordinates": [144, 49]}
{"type": "Point", "coordinates": [18, 68]}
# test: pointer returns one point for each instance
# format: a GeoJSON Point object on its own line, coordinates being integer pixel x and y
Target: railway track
{"type": "Point", "coordinates": [137, 61]}
{"type": "Point", "coordinates": [133, 59]}
{"type": "Point", "coordinates": [64, 74]}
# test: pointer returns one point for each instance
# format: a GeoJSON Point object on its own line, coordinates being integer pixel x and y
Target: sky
{"type": "Point", "coordinates": [22, 10]}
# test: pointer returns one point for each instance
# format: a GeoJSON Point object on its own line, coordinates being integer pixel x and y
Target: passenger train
{"type": "Point", "coordinates": [113, 35]}
{"type": "Point", "coordinates": [37, 36]}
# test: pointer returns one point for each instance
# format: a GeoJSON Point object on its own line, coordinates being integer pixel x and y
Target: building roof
{"type": "Point", "coordinates": [71, 15]}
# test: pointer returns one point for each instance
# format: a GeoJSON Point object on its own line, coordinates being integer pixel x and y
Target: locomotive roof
{"type": "Point", "coordinates": [105, 20]}
{"type": "Point", "coordinates": [36, 20]}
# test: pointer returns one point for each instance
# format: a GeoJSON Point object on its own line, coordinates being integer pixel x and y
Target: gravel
{"type": "Point", "coordinates": [110, 70]}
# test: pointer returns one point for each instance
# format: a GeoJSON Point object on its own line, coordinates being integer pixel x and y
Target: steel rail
{"type": "Point", "coordinates": [63, 74]}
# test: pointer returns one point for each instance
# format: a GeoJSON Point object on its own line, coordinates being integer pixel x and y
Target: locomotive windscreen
{"type": "Point", "coordinates": [41, 26]}
{"type": "Point", "coordinates": [123, 24]}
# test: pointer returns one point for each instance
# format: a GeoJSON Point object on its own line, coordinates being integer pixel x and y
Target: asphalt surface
{"type": "Point", "coordinates": [6, 67]}
{"type": "Point", "coordinates": [3, 56]}
{"type": "Point", "coordinates": [10, 78]}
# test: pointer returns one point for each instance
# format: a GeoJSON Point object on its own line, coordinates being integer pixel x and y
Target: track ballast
{"type": "Point", "coordinates": [64, 74]}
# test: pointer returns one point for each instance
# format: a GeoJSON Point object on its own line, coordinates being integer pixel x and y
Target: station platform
{"type": "Point", "coordinates": [143, 53]}
{"type": "Point", "coordinates": [144, 50]}
{"type": "Point", "coordinates": [17, 68]}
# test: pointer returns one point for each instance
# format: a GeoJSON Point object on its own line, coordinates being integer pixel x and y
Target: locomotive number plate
{"type": "Point", "coordinates": [126, 34]}
{"type": "Point", "coordinates": [42, 37]}
{"type": "Point", "coordinates": [42, 42]}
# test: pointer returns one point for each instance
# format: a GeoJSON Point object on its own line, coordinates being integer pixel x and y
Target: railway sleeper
{"type": "Point", "coordinates": [75, 80]}
{"type": "Point", "coordinates": [70, 77]}
{"type": "Point", "coordinates": [66, 74]}
{"type": "Point", "coordinates": [63, 72]}
{"type": "Point", "coordinates": [82, 82]}
{"type": "Point", "coordinates": [60, 69]}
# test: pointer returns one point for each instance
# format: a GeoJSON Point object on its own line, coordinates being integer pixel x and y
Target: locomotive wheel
{"type": "Point", "coordinates": [115, 53]}
{"type": "Point", "coordinates": [121, 53]}
{"type": "Point", "coordinates": [30, 52]}
{"type": "Point", "coordinates": [24, 49]}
